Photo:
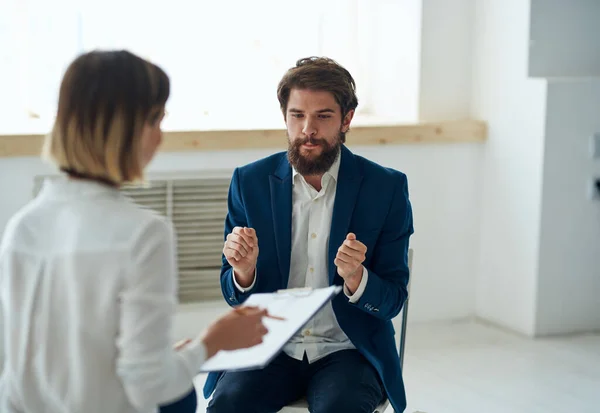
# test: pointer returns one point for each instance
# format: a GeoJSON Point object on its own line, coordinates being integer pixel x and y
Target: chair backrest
{"type": "Point", "coordinates": [301, 406]}
{"type": "Point", "coordinates": [402, 343]}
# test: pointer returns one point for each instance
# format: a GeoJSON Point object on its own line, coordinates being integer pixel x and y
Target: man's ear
{"type": "Point", "coordinates": [347, 120]}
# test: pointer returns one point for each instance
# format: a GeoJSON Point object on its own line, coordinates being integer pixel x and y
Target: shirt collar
{"type": "Point", "coordinates": [62, 186]}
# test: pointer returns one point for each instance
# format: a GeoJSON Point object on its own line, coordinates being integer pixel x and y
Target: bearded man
{"type": "Point", "coordinates": [320, 216]}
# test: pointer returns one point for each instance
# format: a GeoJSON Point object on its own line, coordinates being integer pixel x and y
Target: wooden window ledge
{"type": "Point", "coordinates": [461, 131]}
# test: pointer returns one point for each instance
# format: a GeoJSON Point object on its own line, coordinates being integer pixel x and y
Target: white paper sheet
{"type": "Point", "coordinates": [297, 307]}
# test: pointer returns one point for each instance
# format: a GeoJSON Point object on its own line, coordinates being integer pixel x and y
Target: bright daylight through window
{"type": "Point", "coordinates": [224, 57]}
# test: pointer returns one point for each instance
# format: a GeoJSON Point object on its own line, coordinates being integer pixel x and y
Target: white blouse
{"type": "Point", "coordinates": [87, 300]}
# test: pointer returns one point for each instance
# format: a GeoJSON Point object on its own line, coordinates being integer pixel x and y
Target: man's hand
{"type": "Point", "coordinates": [241, 251]}
{"type": "Point", "coordinates": [348, 261]}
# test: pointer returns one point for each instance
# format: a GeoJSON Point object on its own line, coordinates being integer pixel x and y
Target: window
{"type": "Point", "coordinates": [224, 57]}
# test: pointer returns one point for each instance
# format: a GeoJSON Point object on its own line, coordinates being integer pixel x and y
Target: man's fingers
{"type": "Point", "coordinates": [239, 231]}
{"type": "Point", "coordinates": [238, 249]}
{"type": "Point", "coordinates": [348, 261]}
{"type": "Point", "coordinates": [238, 239]}
{"type": "Point", "coordinates": [357, 254]}
{"type": "Point", "coordinates": [239, 245]}
{"type": "Point", "coordinates": [355, 245]}
{"type": "Point", "coordinates": [344, 260]}
{"type": "Point", "coordinates": [231, 254]}
{"type": "Point", "coordinates": [242, 232]}
{"type": "Point", "coordinates": [250, 232]}
{"type": "Point", "coordinates": [342, 265]}
{"type": "Point", "coordinates": [342, 256]}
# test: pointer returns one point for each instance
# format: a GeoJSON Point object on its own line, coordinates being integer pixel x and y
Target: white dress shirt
{"type": "Point", "coordinates": [312, 212]}
{"type": "Point", "coordinates": [87, 300]}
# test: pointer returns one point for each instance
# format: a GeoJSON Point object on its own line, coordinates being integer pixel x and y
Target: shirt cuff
{"type": "Point", "coordinates": [239, 287]}
{"type": "Point", "coordinates": [360, 290]}
{"type": "Point", "coordinates": [195, 355]}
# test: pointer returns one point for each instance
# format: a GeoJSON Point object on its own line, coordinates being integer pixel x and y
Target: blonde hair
{"type": "Point", "coordinates": [105, 99]}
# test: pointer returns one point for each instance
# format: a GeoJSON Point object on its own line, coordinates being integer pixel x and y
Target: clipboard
{"type": "Point", "coordinates": [296, 306]}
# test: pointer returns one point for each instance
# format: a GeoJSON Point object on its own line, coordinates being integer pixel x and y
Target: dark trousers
{"type": "Point", "coordinates": [341, 382]}
{"type": "Point", "coordinates": [187, 404]}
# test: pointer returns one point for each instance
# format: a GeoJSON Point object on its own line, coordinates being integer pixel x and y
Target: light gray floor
{"type": "Point", "coordinates": [473, 368]}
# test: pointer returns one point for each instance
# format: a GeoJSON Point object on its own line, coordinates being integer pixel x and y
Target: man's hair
{"type": "Point", "coordinates": [105, 99]}
{"type": "Point", "coordinates": [323, 74]}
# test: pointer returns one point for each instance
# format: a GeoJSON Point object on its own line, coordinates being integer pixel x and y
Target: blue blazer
{"type": "Point", "coordinates": [372, 202]}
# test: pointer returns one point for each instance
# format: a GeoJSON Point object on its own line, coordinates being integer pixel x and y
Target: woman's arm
{"type": "Point", "coordinates": [151, 370]}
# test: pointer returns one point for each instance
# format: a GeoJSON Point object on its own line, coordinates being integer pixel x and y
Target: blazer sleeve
{"type": "Point", "coordinates": [386, 289]}
{"type": "Point", "coordinates": [236, 217]}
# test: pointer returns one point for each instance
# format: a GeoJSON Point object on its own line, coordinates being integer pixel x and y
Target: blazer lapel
{"type": "Point", "coordinates": [348, 185]}
{"type": "Point", "coordinates": [280, 183]}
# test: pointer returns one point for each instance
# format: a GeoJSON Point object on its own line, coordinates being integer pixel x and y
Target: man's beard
{"type": "Point", "coordinates": [310, 166]}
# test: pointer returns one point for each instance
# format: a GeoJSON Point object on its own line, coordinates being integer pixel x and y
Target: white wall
{"type": "Point", "coordinates": [569, 271]}
{"type": "Point", "coordinates": [564, 38]}
{"type": "Point", "coordinates": [444, 191]}
{"type": "Point", "coordinates": [514, 108]}
{"type": "Point", "coordinates": [445, 264]}
{"type": "Point", "coordinates": [564, 44]}
{"type": "Point", "coordinates": [539, 270]}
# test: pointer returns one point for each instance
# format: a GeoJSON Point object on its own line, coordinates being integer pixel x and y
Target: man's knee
{"type": "Point", "coordinates": [227, 401]}
{"type": "Point", "coordinates": [230, 396]}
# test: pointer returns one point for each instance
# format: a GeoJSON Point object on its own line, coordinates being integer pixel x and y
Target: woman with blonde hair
{"type": "Point", "coordinates": [88, 279]}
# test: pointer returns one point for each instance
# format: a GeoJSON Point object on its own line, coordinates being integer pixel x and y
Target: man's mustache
{"type": "Point", "coordinates": [312, 141]}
